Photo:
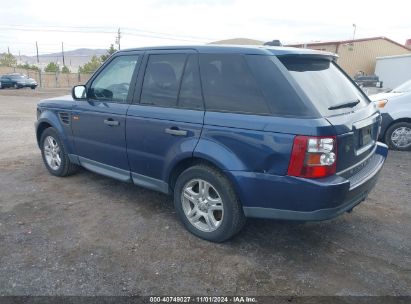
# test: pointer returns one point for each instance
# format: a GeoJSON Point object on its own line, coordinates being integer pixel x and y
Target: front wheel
{"type": "Point", "coordinates": [207, 205]}
{"type": "Point", "coordinates": [33, 87]}
{"type": "Point", "coordinates": [54, 154]}
{"type": "Point", "coordinates": [398, 136]}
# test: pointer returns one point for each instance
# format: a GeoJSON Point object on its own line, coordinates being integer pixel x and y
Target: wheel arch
{"type": "Point", "coordinates": [42, 126]}
{"type": "Point", "coordinates": [398, 120]}
{"type": "Point", "coordinates": [186, 163]}
{"type": "Point", "coordinates": [49, 119]}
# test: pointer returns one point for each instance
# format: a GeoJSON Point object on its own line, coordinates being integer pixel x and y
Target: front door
{"type": "Point", "coordinates": [99, 123]}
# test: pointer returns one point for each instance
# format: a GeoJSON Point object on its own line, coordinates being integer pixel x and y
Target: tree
{"type": "Point", "coordinates": [91, 66]}
{"type": "Point", "coordinates": [65, 70]}
{"type": "Point", "coordinates": [111, 50]}
{"type": "Point", "coordinates": [52, 67]}
{"type": "Point", "coordinates": [8, 60]}
{"type": "Point", "coordinates": [28, 67]}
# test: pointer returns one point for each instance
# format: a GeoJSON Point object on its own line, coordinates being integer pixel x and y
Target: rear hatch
{"type": "Point", "coordinates": [355, 119]}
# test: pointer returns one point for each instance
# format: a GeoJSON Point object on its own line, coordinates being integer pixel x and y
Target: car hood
{"type": "Point", "coordinates": [65, 101]}
{"type": "Point", "coordinates": [387, 95]}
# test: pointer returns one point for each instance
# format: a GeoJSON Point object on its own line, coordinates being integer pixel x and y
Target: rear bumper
{"type": "Point", "coordinates": [293, 198]}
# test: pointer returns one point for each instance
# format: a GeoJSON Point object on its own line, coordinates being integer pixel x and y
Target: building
{"type": "Point", "coordinates": [239, 41]}
{"type": "Point", "coordinates": [393, 70]}
{"type": "Point", "coordinates": [359, 54]}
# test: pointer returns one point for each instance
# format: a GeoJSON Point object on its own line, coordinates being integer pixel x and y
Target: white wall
{"type": "Point", "coordinates": [393, 70]}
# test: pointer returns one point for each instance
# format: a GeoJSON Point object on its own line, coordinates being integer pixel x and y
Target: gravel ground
{"type": "Point", "coordinates": [91, 235]}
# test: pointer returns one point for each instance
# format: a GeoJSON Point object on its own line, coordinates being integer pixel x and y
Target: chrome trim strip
{"type": "Point", "coordinates": [370, 176]}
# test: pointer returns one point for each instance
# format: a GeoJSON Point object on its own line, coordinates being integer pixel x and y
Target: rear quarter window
{"type": "Point", "coordinates": [277, 90]}
{"type": "Point", "coordinates": [230, 86]}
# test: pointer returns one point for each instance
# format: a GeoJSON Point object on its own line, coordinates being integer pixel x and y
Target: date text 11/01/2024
{"type": "Point", "coordinates": [200, 299]}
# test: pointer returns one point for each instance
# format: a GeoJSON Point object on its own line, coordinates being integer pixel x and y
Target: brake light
{"type": "Point", "coordinates": [313, 157]}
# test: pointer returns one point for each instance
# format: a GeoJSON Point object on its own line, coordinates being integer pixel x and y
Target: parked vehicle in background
{"type": "Point", "coordinates": [395, 108]}
{"type": "Point", "coordinates": [17, 81]}
{"type": "Point", "coordinates": [230, 132]}
{"type": "Point", "coordinates": [368, 80]}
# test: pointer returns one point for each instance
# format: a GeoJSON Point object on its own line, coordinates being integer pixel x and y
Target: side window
{"type": "Point", "coordinates": [113, 82]}
{"type": "Point", "coordinates": [229, 85]}
{"type": "Point", "coordinates": [162, 79]}
{"type": "Point", "coordinates": [190, 91]}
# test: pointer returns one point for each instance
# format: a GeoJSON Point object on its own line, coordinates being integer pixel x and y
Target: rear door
{"type": "Point", "coordinates": [99, 123]}
{"type": "Point", "coordinates": [165, 120]}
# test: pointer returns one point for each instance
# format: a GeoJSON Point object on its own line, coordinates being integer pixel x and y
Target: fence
{"type": "Point", "coordinates": [50, 80]}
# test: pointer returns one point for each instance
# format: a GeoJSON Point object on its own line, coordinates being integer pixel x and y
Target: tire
{"type": "Point", "coordinates": [394, 134]}
{"type": "Point", "coordinates": [65, 167]}
{"type": "Point", "coordinates": [16, 86]}
{"type": "Point", "coordinates": [229, 217]}
{"type": "Point", "coordinates": [33, 87]}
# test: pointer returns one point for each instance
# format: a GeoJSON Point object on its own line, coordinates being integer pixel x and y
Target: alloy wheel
{"type": "Point", "coordinates": [202, 205]}
{"type": "Point", "coordinates": [52, 153]}
{"type": "Point", "coordinates": [401, 137]}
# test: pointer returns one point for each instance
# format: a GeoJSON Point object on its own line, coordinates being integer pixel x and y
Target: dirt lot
{"type": "Point", "coordinates": [88, 235]}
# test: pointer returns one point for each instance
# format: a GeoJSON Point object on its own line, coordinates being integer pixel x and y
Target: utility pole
{"type": "Point", "coordinates": [38, 63]}
{"type": "Point", "coordinates": [37, 50]}
{"type": "Point", "coordinates": [355, 28]}
{"type": "Point", "coordinates": [62, 53]}
{"type": "Point", "coordinates": [8, 50]}
{"type": "Point", "coordinates": [118, 38]}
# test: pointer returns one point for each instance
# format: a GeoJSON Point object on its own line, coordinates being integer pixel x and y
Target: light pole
{"type": "Point", "coordinates": [355, 28]}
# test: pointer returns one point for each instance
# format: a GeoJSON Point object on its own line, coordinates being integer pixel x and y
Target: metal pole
{"type": "Point", "coordinates": [62, 53]}
{"type": "Point", "coordinates": [118, 38]}
{"type": "Point", "coordinates": [38, 64]}
{"type": "Point", "coordinates": [355, 28]}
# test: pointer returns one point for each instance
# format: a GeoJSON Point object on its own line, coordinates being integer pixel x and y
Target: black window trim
{"type": "Point", "coordinates": [133, 77]}
{"type": "Point", "coordinates": [197, 61]}
{"type": "Point", "coordinates": [144, 64]}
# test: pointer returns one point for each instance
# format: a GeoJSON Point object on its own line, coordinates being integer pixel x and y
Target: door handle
{"type": "Point", "coordinates": [175, 131]}
{"type": "Point", "coordinates": [111, 122]}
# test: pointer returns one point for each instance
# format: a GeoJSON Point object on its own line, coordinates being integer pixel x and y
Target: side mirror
{"type": "Point", "coordinates": [79, 92]}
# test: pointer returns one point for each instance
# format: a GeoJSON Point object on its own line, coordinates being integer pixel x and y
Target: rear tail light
{"type": "Point", "coordinates": [313, 157]}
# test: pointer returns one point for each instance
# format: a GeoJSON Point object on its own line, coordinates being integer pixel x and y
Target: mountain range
{"type": "Point", "coordinates": [73, 59]}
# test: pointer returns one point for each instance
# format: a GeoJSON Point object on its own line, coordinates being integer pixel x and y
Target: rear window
{"type": "Point", "coordinates": [324, 84]}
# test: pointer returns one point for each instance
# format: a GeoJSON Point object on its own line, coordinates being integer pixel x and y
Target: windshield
{"type": "Point", "coordinates": [405, 87]}
{"type": "Point", "coordinates": [17, 77]}
{"type": "Point", "coordinates": [325, 85]}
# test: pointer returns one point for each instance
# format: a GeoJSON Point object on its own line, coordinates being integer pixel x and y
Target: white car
{"type": "Point", "coordinates": [395, 108]}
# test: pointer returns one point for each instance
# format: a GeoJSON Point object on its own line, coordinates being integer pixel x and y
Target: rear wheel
{"type": "Point", "coordinates": [54, 154]}
{"type": "Point", "coordinates": [207, 205]}
{"type": "Point", "coordinates": [398, 136]}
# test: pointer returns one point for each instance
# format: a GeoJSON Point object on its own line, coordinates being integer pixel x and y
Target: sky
{"type": "Point", "coordinates": [92, 24]}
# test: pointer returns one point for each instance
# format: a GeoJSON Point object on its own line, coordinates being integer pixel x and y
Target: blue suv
{"type": "Point", "coordinates": [230, 132]}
